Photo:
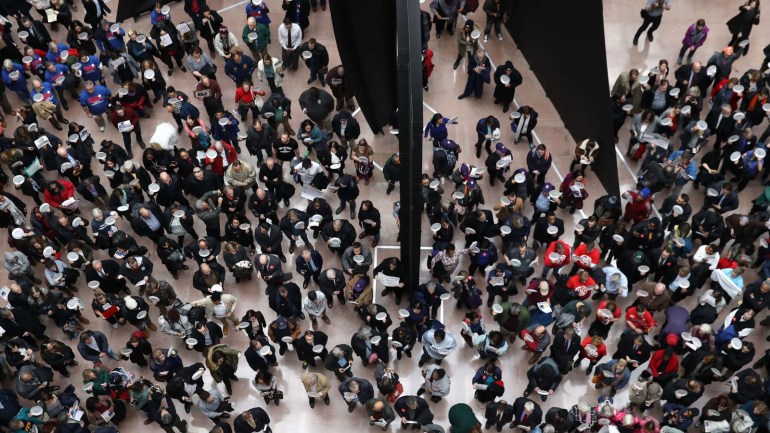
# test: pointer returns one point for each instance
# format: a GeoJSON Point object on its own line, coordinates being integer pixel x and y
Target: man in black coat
{"type": "Point", "coordinates": [692, 75]}
{"type": "Point", "coordinates": [566, 344]}
{"type": "Point", "coordinates": [526, 413]}
{"type": "Point", "coordinates": [342, 230]}
{"type": "Point", "coordinates": [560, 419]}
{"type": "Point", "coordinates": [304, 347]}
{"type": "Point", "coordinates": [138, 271]}
{"type": "Point", "coordinates": [201, 331]}
{"type": "Point", "coordinates": [498, 413]}
{"type": "Point", "coordinates": [634, 349]}
{"type": "Point", "coordinates": [260, 137]}
{"type": "Point", "coordinates": [331, 282]}
{"type": "Point", "coordinates": [269, 238]}
{"type": "Point", "coordinates": [38, 37]}
{"type": "Point", "coordinates": [148, 220]}
{"type": "Point", "coordinates": [543, 377]}
{"type": "Point", "coordinates": [318, 62]}
{"type": "Point", "coordinates": [256, 416]}
{"type": "Point", "coordinates": [22, 322]}
{"type": "Point", "coordinates": [721, 123]}
{"type": "Point", "coordinates": [106, 273]}
{"type": "Point", "coordinates": [346, 127]}
{"type": "Point", "coordinates": [662, 262]}
{"type": "Point", "coordinates": [362, 389]}
{"type": "Point", "coordinates": [413, 410]}
{"type": "Point", "coordinates": [201, 181]}
{"type": "Point", "coordinates": [268, 267]}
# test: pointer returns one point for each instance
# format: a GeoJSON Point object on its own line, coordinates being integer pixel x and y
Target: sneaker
{"type": "Point", "coordinates": [339, 210]}
{"type": "Point", "coordinates": [486, 38]}
{"type": "Point", "coordinates": [500, 36]}
{"type": "Point", "coordinates": [101, 129]}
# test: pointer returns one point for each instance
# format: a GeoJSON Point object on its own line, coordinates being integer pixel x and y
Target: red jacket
{"type": "Point", "coordinates": [216, 163]}
{"type": "Point", "coordinates": [601, 350]}
{"type": "Point", "coordinates": [428, 63]}
{"type": "Point", "coordinates": [644, 321]}
{"type": "Point", "coordinates": [128, 114]}
{"type": "Point", "coordinates": [582, 250]}
{"type": "Point", "coordinates": [551, 248]}
{"type": "Point", "coordinates": [583, 289]}
{"type": "Point", "coordinates": [67, 191]}
{"type": "Point", "coordinates": [247, 96]}
{"type": "Point", "coordinates": [657, 359]}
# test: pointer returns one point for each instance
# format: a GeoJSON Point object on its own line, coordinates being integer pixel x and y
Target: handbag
{"type": "Point", "coordinates": [208, 69]}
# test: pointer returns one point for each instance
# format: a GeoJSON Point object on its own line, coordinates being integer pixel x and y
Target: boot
{"type": "Point", "coordinates": [56, 124]}
{"type": "Point", "coordinates": [457, 61]}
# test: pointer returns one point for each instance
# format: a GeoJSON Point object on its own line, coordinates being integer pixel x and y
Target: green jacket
{"type": "Point", "coordinates": [231, 358]}
{"type": "Point", "coordinates": [524, 316]}
{"type": "Point", "coordinates": [263, 38]}
{"type": "Point", "coordinates": [102, 376]}
{"type": "Point", "coordinates": [462, 419]}
{"type": "Point", "coordinates": [387, 412]}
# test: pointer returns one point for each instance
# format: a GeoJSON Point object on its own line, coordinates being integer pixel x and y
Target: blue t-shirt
{"type": "Point", "coordinates": [96, 102]}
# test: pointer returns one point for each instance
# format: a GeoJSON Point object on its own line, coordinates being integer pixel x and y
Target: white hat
{"type": "Point", "coordinates": [191, 342]}
{"type": "Point", "coordinates": [211, 154]}
{"type": "Point", "coordinates": [335, 242]}
{"type": "Point", "coordinates": [579, 228]}
{"type": "Point", "coordinates": [628, 107]}
{"type": "Point", "coordinates": [375, 340]}
{"type": "Point", "coordinates": [216, 288]}
{"type": "Point", "coordinates": [505, 230]}
{"type": "Point", "coordinates": [149, 74]}
{"type": "Point", "coordinates": [735, 156]}
{"type": "Point", "coordinates": [674, 92]}
{"type": "Point", "coordinates": [403, 313]}
{"type": "Point", "coordinates": [36, 411]}
{"type": "Point", "coordinates": [435, 227]}
{"type": "Point", "coordinates": [130, 302]}
{"type": "Point", "coordinates": [702, 125]}
{"type": "Point", "coordinates": [552, 230]}
{"type": "Point", "coordinates": [760, 153]}
{"type": "Point", "coordinates": [617, 238]}
{"type": "Point", "coordinates": [73, 256]}
{"type": "Point", "coordinates": [505, 201]}
{"type": "Point", "coordinates": [154, 187]}
{"type": "Point", "coordinates": [300, 225]}
{"type": "Point", "coordinates": [711, 192]}
{"type": "Point", "coordinates": [307, 55]}
{"type": "Point", "coordinates": [666, 121]}
{"type": "Point", "coordinates": [318, 348]}
{"type": "Point", "coordinates": [685, 284]}
{"type": "Point", "coordinates": [679, 241]}
{"type": "Point", "coordinates": [141, 315]}
{"type": "Point", "coordinates": [434, 184]}
{"type": "Point", "coordinates": [520, 178]}
{"type": "Point", "coordinates": [694, 344]}
{"type": "Point", "coordinates": [766, 107]}
{"type": "Point", "coordinates": [643, 269]}
{"type": "Point", "coordinates": [738, 88]}
{"type": "Point", "coordinates": [475, 34]}
{"type": "Point", "coordinates": [677, 210]}
{"type": "Point", "coordinates": [93, 284]}
{"type": "Point", "coordinates": [205, 252]}
{"type": "Point", "coordinates": [711, 70]}
{"type": "Point", "coordinates": [686, 110]}
{"type": "Point", "coordinates": [381, 316]}
{"type": "Point", "coordinates": [515, 262]}
{"type": "Point", "coordinates": [680, 393]}
{"type": "Point", "coordinates": [223, 121]}
{"type": "Point", "coordinates": [165, 10]}
{"type": "Point", "coordinates": [17, 233]}
{"type": "Point", "coordinates": [644, 79]}
{"type": "Point", "coordinates": [739, 116]}
{"type": "Point", "coordinates": [48, 252]}
{"type": "Point", "coordinates": [264, 351]}
{"type": "Point", "coordinates": [77, 222]}
{"type": "Point", "coordinates": [358, 258]}
{"type": "Point", "coordinates": [88, 386]}
{"type": "Point", "coordinates": [458, 195]}
{"type": "Point", "coordinates": [287, 339]}
{"type": "Point", "coordinates": [505, 79]}
{"type": "Point", "coordinates": [126, 351]}
{"type": "Point", "coordinates": [153, 299]}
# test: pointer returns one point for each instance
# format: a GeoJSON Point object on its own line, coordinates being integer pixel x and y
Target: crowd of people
{"type": "Point", "coordinates": [78, 208]}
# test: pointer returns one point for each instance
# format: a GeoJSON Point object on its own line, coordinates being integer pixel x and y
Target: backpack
{"type": "Point", "coordinates": [196, 314]}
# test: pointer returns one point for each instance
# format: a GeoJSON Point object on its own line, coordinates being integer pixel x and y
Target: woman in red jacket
{"type": "Point", "coordinates": [248, 98]}
{"type": "Point", "coordinates": [427, 67]}
{"type": "Point", "coordinates": [664, 365]}
{"type": "Point", "coordinates": [59, 191]}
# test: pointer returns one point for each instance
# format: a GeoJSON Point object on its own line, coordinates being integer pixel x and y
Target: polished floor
{"type": "Point", "coordinates": [621, 19]}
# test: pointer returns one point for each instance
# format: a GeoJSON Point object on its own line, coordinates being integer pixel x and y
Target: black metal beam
{"type": "Point", "coordinates": [410, 133]}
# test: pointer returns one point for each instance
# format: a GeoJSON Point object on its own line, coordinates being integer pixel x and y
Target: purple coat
{"type": "Point", "coordinates": [688, 42]}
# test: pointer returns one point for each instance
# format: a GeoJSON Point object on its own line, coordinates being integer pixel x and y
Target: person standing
{"type": "Point", "coordinates": [741, 24]}
{"type": "Point", "coordinates": [479, 69]}
{"type": "Point", "coordinates": [694, 37]}
{"type": "Point", "coordinates": [495, 10]}
{"type": "Point", "coordinates": [445, 15]}
{"type": "Point", "coordinates": [95, 100]}
{"type": "Point", "coordinates": [290, 38]}
{"type": "Point", "coordinates": [318, 62]}
{"type": "Point", "coordinates": [505, 88]}
{"type": "Point", "coordinates": [317, 386]}
{"type": "Point", "coordinates": [652, 14]}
